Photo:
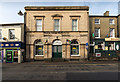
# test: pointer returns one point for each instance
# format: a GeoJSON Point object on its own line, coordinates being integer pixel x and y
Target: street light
{"type": "Point", "coordinates": [20, 13]}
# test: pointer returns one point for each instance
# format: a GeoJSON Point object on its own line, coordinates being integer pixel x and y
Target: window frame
{"type": "Point", "coordinates": [113, 33]}
{"type": "Point", "coordinates": [58, 25]}
{"type": "Point", "coordinates": [98, 33]}
{"type": "Point", "coordinates": [14, 34]}
{"type": "Point", "coordinates": [1, 34]}
{"type": "Point", "coordinates": [36, 44]}
{"type": "Point", "coordinates": [113, 22]}
{"type": "Point", "coordinates": [41, 25]}
{"type": "Point", "coordinates": [96, 22]}
{"type": "Point", "coordinates": [77, 45]}
{"type": "Point", "coordinates": [76, 25]}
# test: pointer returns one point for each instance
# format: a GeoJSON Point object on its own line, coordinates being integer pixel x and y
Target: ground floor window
{"type": "Point", "coordinates": [38, 48]}
{"type": "Point", "coordinates": [74, 48]}
{"type": "Point", "coordinates": [101, 45]}
{"type": "Point", "coordinates": [111, 46]}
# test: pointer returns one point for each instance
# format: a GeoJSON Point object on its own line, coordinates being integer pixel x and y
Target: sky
{"type": "Point", "coordinates": [9, 10]}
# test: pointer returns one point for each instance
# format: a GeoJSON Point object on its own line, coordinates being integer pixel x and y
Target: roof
{"type": "Point", "coordinates": [56, 8]}
{"type": "Point", "coordinates": [11, 24]}
{"type": "Point", "coordinates": [101, 16]}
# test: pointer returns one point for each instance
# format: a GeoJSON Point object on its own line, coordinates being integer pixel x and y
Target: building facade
{"type": "Point", "coordinates": [57, 32]}
{"type": "Point", "coordinates": [11, 42]}
{"type": "Point", "coordinates": [104, 37]}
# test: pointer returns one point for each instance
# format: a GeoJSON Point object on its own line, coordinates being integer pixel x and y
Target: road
{"type": "Point", "coordinates": [61, 71]}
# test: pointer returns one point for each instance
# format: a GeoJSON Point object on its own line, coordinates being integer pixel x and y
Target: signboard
{"type": "Point", "coordinates": [117, 47]}
{"type": "Point", "coordinates": [98, 54]}
{"type": "Point", "coordinates": [112, 39]}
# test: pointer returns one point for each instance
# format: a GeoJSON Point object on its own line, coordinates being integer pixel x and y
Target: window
{"type": "Point", "coordinates": [74, 47]}
{"type": "Point", "coordinates": [39, 48]}
{"type": "Point", "coordinates": [97, 33]}
{"type": "Point", "coordinates": [74, 25]}
{"type": "Point", "coordinates": [111, 46]}
{"type": "Point", "coordinates": [0, 33]}
{"type": "Point", "coordinates": [111, 21]}
{"type": "Point", "coordinates": [39, 25]}
{"type": "Point", "coordinates": [12, 34]}
{"type": "Point", "coordinates": [101, 45]}
{"type": "Point", "coordinates": [112, 32]}
{"type": "Point", "coordinates": [56, 25]}
{"type": "Point", "coordinates": [97, 21]}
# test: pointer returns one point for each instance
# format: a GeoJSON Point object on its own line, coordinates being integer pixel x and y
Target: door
{"type": "Point", "coordinates": [9, 56]}
{"type": "Point", "coordinates": [57, 51]}
{"type": "Point", "coordinates": [0, 55]}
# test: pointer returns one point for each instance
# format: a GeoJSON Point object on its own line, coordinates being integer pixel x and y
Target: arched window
{"type": "Point", "coordinates": [74, 47]}
{"type": "Point", "coordinates": [39, 48]}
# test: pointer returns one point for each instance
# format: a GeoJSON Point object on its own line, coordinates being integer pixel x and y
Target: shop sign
{"type": "Point", "coordinates": [112, 39]}
{"type": "Point", "coordinates": [98, 54]}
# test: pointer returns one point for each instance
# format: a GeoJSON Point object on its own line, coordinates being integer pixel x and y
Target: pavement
{"type": "Point", "coordinates": [81, 70]}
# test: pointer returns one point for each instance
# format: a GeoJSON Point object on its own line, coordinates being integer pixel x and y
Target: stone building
{"type": "Point", "coordinates": [104, 36]}
{"type": "Point", "coordinates": [57, 32]}
{"type": "Point", "coordinates": [11, 42]}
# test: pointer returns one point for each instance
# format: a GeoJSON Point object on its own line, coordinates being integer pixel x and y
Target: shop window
{"type": "Point", "coordinates": [111, 21]}
{"type": "Point", "coordinates": [74, 48]}
{"type": "Point", "coordinates": [74, 25]}
{"type": "Point", "coordinates": [101, 46]}
{"type": "Point", "coordinates": [0, 33]}
{"type": "Point", "coordinates": [97, 32]}
{"type": "Point", "coordinates": [39, 25]}
{"type": "Point", "coordinates": [39, 48]}
{"type": "Point", "coordinates": [12, 34]}
{"type": "Point", "coordinates": [112, 32]}
{"type": "Point", "coordinates": [111, 46]}
{"type": "Point", "coordinates": [56, 25]}
{"type": "Point", "coordinates": [97, 21]}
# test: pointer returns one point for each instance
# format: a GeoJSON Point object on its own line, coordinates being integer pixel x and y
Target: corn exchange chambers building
{"type": "Point", "coordinates": [57, 32]}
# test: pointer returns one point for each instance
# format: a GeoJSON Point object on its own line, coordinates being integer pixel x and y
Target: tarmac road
{"type": "Point", "coordinates": [61, 71]}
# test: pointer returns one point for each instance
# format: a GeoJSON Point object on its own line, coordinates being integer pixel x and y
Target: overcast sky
{"type": "Point", "coordinates": [9, 10]}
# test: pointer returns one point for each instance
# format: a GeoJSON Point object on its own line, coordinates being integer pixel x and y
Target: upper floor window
{"type": "Point", "coordinates": [97, 21]}
{"type": "Point", "coordinates": [56, 25]}
{"type": "Point", "coordinates": [39, 25]}
{"type": "Point", "coordinates": [112, 32]}
{"type": "Point", "coordinates": [74, 25]}
{"type": "Point", "coordinates": [111, 21]}
{"type": "Point", "coordinates": [0, 33]}
{"type": "Point", "coordinates": [97, 33]}
{"type": "Point", "coordinates": [12, 34]}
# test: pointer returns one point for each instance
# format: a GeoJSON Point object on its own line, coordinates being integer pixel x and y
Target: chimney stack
{"type": "Point", "coordinates": [106, 13]}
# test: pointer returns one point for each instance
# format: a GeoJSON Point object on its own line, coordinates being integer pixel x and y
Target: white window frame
{"type": "Point", "coordinates": [113, 33]}
{"type": "Point", "coordinates": [112, 21]}
{"type": "Point", "coordinates": [72, 25]}
{"type": "Point", "coordinates": [1, 34]}
{"type": "Point", "coordinates": [35, 49]}
{"type": "Point", "coordinates": [59, 25]}
{"type": "Point", "coordinates": [99, 33]}
{"type": "Point", "coordinates": [97, 23]}
{"type": "Point", "coordinates": [9, 34]}
{"type": "Point", "coordinates": [39, 25]}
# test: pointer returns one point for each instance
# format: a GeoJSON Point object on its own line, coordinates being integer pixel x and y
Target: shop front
{"type": "Point", "coordinates": [11, 52]}
{"type": "Point", "coordinates": [107, 48]}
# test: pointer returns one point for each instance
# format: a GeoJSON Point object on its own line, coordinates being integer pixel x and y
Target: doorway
{"type": "Point", "coordinates": [57, 49]}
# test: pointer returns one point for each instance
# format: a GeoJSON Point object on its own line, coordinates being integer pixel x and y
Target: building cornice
{"type": "Point", "coordinates": [57, 8]}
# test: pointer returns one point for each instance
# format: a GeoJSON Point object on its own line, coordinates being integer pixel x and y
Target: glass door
{"type": "Point", "coordinates": [9, 56]}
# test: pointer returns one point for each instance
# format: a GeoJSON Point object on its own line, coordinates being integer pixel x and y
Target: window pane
{"type": "Point", "coordinates": [59, 48]}
{"type": "Point", "coordinates": [39, 25]}
{"type": "Point", "coordinates": [0, 33]}
{"type": "Point", "coordinates": [74, 25]}
{"type": "Point", "coordinates": [12, 34]}
{"type": "Point", "coordinates": [56, 25]}
{"type": "Point", "coordinates": [39, 50]}
{"type": "Point", "coordinates": [97, 32]}
{"type": "Point", "coordinates": [97, 21]}
{"type": "Point", "coordinates": [111, 32]}
{"type": "Point", "coordinates": [74, 47]}
{"type": "Point", "coordinates": [111, 21]}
